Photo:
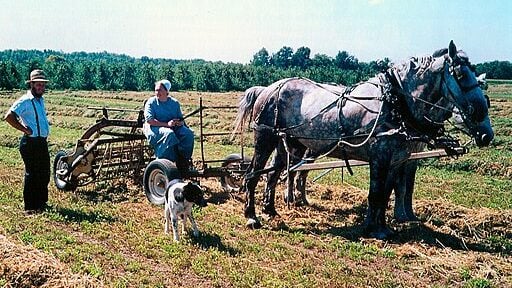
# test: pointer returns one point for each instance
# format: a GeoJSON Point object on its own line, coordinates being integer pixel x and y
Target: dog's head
{"type": "Point", "coordinates": [193, 193]}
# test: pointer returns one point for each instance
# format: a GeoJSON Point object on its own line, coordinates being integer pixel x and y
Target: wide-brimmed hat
{"type": "Point", "coordinates": [37, 76]}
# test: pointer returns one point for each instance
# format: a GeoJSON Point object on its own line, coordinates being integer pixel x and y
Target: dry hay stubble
{"type": "Point", "coordinates": [25, 266]}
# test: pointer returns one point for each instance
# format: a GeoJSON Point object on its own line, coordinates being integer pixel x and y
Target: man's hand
{"type": "Point", "coordinates": [27, 131]}
{"type": "Point", "coordinates": [175, 123]}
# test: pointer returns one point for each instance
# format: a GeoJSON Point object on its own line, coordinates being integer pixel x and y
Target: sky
{"type": "Point", "coordinates": [235, 30]}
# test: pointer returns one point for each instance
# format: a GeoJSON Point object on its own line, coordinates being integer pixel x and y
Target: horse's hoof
{"type": "Point", "coordinates": [271, 212]}
{"type": "Point", "coordinates": [288, 199]}
{"type": "Point", "coordinates": [406, 218]}
{"type": "Point", "coordinates": [380, 233]}
{"type": "Point", "coordinates": [301, 202]}
{"type": "Point", "coordinates": [253, 223]}
{"type": "Point", "coordinates": [412, 218]}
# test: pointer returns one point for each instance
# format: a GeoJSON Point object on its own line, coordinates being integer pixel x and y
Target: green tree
{"type": "Point", "coordinates": [59, 72]}
{"type": "Point", "coordinates": [9, 76]}
{"type": "Point", "coordinates": [321, 60]}
{"type": "Point", "coordinates": [283, 57]}
{"type": "Point", "coordinates": [145, 76]}
{"type": "Point", "coordinates": [345, 61]}
{"type": "Point", "coordinates": [261, 58]}
{"type": "Point", "coordinates": [300, 58]}
{"type": "Point", "coordinates": [182, 76]}
{"type": "Point", "coordinates": [83, 76]}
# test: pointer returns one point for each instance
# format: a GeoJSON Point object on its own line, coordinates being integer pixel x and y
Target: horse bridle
{"type": "Point", "coordinates": [454, 70]}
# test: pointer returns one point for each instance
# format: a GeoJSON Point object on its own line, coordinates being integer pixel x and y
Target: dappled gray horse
{"type": "Point", "coordinates": [296, 181]}
{"type": "Point", "coordinates": [373, 121]}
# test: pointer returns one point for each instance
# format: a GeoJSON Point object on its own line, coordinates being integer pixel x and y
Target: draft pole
{"type": "Point", "coordinates": [201, 137]}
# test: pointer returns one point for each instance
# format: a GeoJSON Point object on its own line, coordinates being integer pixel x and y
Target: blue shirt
{"type": "Point", "coordinates": [162, 111]}
{"type": "Point", "coordinates": [26, 112]}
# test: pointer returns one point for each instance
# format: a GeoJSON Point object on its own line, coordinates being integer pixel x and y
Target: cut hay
{"type": "Point", "coordinates": [25, 266]}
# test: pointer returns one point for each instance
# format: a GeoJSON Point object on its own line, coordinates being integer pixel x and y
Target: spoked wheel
{"type": "Point", "coordinates": [60, 167]}
{"type": "Point", "coordinates": [158, 173]}
{"type": "Point", "coordinates": [236, 166]}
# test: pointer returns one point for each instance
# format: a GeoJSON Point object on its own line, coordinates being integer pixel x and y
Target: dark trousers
{"type": "Point", "coordinates": [34, 151]}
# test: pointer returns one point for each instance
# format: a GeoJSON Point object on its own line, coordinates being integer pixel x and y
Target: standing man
{"type": "Point", "coordinates": [165, 129]}
{"type": "Point", "coordinates": [28, 114]}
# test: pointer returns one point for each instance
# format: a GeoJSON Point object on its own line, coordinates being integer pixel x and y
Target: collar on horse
{"type": "Point", "coordinates": [397, 97]}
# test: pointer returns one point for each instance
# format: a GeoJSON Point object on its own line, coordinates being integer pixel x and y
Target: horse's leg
{"type": "Point", "coordinates": [270, 189]}
{"type": "Point", "coordinates": [281, 153]}
{"type": "Point", "coordinates": [400, 189]}
{"type": "Point", "coordinates": [301, 187]}
{"type": "Point", "coordinates": [404, 188]}
{"type": "Point", "coordinates": [410, 176]}
{"type": "Point", "coordinates": [300, 197]}
{"type": "Point", "coordinates": [265, 142]}
{"type": "Point", "coordinates": [297, 152]}
{"type": "Point", "coordinates": [381, 185]}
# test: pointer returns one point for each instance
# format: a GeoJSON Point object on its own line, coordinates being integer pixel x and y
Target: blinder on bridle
{"type": "Point", "coordinates": [476, 109]}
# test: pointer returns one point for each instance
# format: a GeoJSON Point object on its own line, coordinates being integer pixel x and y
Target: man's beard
{"type": "Point", "coordinates": [35, 94]}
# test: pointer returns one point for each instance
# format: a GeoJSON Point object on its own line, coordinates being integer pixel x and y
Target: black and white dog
{"type": "Point", "coordinates": [179, 198]}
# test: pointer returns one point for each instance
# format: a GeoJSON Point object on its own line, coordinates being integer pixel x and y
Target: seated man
{"type": "Point", "coordinates": [165, 129]}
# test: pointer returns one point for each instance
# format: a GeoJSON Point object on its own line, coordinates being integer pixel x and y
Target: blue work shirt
{"type": "Point", "coordinates": [24, 109]}
{"type": "Point", "coordinates": [162, 111]}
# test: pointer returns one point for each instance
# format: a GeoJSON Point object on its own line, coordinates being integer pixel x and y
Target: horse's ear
{"type": "Point", "coordinates": [452, 50]}
{"type": "Point", "coordinates": [482, 77]}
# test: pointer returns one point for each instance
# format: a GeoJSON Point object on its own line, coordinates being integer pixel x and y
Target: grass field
{"type": "Point", "coordinates": [109, 235]}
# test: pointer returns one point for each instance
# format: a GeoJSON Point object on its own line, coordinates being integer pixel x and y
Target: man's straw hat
{"type": "Point", "coordinates": [37, 76]}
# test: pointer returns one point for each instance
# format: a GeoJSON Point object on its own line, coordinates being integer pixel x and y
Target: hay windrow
{"type": "Point", "coordinates": [25, 266]}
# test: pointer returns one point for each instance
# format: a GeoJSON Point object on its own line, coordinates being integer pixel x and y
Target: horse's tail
{"type": "Point", "coordinates": [245, 107]}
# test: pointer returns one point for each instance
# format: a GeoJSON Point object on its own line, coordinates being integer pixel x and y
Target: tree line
{"type": "Point", "coordinates": [109, 71]}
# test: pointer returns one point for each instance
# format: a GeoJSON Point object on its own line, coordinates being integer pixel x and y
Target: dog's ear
{"type": "Point", "coordinates": [193, 188]}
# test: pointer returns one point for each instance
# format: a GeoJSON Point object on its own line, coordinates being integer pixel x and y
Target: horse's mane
{"type": "Point", "coordinates": [417, 65]}
{"type": "Point", "coordinates": [440, 52]}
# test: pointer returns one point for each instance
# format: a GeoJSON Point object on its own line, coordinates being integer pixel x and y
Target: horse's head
{"type": "Point", "coordinates": [462, 88]}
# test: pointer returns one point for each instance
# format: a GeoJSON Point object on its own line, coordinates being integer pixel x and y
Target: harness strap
{"type": "Point", "coordinates": [399, 101]}
{"type": "Point", "coordinates": [347, 163]}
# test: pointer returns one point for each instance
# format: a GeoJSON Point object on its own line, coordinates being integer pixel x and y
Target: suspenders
{"type": "Point", "coordinates": [37, 118]}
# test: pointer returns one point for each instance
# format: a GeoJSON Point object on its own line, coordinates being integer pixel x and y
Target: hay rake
{"type": "Point", "coordinates": [115, 149]}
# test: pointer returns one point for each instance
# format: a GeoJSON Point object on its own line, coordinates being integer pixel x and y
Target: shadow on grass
{"type": "Point", "coordinates": [413, 232]}
{"type": "Point", "coordinates": [73, 215]}
{"type": "Point", "coordinates": [223, 197]}
{"type": "Point", "coordinates": [351, 231]}
{"type": "Point", "coordinates": [107, 193]}
{"type": "Point", "coordinates": [419, 232]}
{"type": "Point", "coordinates": [209, 241]}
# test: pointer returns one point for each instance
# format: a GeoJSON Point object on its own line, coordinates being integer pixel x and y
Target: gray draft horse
{"type": "Point", "coordinates": [296, 181]}
{"type": "Point", "coordinates": [373, 121]}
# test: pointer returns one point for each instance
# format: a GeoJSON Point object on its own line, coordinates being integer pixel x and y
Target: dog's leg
{"type": "Point", "coordinates": [175, 229]}
{"type": "Point", "coordinates": [167, 218]}
{"type": "Point", "coordinates": [184, 224]}
{"type": "Point", "coordinates": [195, 230]}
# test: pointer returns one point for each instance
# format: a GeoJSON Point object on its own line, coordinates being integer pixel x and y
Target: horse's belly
{"type": "Point", "coordinates": [332, 149]}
